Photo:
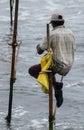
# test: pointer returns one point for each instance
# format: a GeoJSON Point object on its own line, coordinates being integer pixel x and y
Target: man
{"type": "Point", "coordinates": [62, 44]}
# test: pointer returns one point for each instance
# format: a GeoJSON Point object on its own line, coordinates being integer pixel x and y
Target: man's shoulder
{"type": "Point", "coordinates": [69, 30]}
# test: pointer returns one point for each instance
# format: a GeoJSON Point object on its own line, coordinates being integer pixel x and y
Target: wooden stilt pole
{"type": "Point", "coordinates": [50, 102]}
{"type": "Point", "coordinates": [12, 77]}
{"type": "Point", "coordinates": [50, 88]}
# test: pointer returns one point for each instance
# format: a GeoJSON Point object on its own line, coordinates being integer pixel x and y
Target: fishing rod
{"type": "Point", "coordinates": [12, 77]}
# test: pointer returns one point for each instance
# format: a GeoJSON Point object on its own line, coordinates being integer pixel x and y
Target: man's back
{"type": "Point", "coordinates": [62, 43]}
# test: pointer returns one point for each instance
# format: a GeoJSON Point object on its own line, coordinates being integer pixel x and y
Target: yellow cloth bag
{"type": "Point", "coordinates": [43, 79]}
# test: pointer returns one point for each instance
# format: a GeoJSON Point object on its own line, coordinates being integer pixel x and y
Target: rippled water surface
{"type": "Point", "coordinates": [30, 105]}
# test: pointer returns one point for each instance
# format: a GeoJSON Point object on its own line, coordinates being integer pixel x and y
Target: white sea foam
{"type": "Point", "coordinates": [19, 112]}
{"type": "Point", "coordinates": [77, 84]}
{"type": "Point", "coordinates": [71, 85]}
{"type": "Point", "coordinates": [37, 124]}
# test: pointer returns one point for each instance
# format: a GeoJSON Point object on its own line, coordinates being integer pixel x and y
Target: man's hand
{"type": "Point", "coordinates": [39, 50]}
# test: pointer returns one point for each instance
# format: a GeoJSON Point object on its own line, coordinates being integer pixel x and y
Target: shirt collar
{"type": "Point", "coordinates": [61, 26]}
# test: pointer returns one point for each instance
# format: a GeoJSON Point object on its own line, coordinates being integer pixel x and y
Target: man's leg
{"type": "Point", "coordinates": [58, 91]}
{"type": "Point", "coordinates": [34, 70]}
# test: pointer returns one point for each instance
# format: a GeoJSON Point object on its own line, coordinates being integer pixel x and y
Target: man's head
{"type": "Point", "coordinates": [57, 20]}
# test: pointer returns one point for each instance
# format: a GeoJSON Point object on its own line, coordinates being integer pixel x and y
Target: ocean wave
{"type": "Point", "coordinates": [38, 124]}
{"type": "Point", "coordinates": [19, 112]}
{"type": "Point", "coordinates": [78, 84]}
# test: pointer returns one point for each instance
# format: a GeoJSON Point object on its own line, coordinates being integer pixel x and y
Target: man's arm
{"type": "Point", "coordinates": [41, 48]}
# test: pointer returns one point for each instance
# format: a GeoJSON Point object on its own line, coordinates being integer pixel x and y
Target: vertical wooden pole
{"type": "Point", "coordinates": [50, 102]}
{"type": "Point", "coordinates": [50, 88]}
{"type": "Point", "coordinates": [12, 77]}
{"type": "Point", "coordinates": [48, 37]}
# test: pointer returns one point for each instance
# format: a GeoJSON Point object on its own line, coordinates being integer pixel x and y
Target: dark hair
{"type": "Point", "coordinates": [57, 23]}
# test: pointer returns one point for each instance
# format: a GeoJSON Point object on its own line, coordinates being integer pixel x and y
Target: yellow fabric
{"type": "Point", "coordinates": [43, 79]}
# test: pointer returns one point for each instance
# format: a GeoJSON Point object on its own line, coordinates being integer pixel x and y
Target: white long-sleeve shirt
{"type": "Point", "coordinates": [62, 43]}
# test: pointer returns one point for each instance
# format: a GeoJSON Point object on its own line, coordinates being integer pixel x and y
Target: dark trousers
{"type": "Point", "coordinates": [34, 70]}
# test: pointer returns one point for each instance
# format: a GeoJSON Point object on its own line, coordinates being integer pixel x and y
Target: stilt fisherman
{"type": "Point", "coordinates": [62, 44]}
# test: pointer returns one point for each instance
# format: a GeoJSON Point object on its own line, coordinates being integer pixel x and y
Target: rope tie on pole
{"type": "Point", "coordinates": [17, 44]}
